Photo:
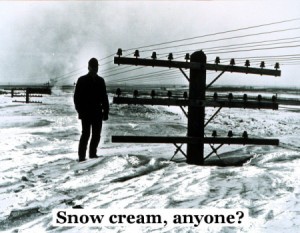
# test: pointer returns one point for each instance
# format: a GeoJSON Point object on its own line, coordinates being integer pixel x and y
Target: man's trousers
{"type": "Point", "coordinates": [87, 125]}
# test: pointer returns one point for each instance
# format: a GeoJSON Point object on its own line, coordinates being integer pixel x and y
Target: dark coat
{"type": "Point", "coordinates": [90, 98]}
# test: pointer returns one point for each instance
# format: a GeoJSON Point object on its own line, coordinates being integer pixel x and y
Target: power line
{"type": "Point", "coordinates": [222, 39]}
{"type": "Point", "coordinates": [159, 72]}
{"type": "Point", "coordinates": [74, 72]}
{"type": "Point", "coordinates": [249, 46]}
{"type": "Point", "coordinates": [67, 74]}
{"type": "Point", "coordinates": [135, 77]}
{"type": "Point", "coordinates": [101, 59]}
{"type": "Point", "coordinates": [239, 37]}
{"type": "Point", "coordinates": [197, 37]}
{"type": "Point", "coordinates": [250, 43]}
{"type": "Point", "coordinates": [146, 76]}
{"type": "Point", "coordinates": [114, 67]}
{"type": "Point", "coordinates": [156, 75]}
{"type": "Point", "coordinates": [124, 72]}
{"type": "Point", "coordinates": [277, 58]}
{"type": "Point", "coordinates": [219, 47]}
{"type": "Point", "coordinates": [223, 48]}
{"type": "Point", "coordinates": [214, 34]}
{"type": "Point", "coordinates": [235, 51]}
{"type": "Point", "coordinates": [266, 57]}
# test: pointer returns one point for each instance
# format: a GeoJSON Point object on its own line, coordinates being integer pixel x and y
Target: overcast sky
{"type": "Point", "coordinates": [42, 41]}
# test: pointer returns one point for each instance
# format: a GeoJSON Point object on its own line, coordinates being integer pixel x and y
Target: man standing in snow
{"type": "Point", "coordinates": [91, 103]}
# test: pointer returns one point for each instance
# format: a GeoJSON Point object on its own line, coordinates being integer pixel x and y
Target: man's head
{"type": "Point", "coordinates": [93, 65]}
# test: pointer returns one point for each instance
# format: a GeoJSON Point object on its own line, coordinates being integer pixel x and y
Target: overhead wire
{"type": "Point", "coordinates": [258, 45]}
{"type": "Point", "coordinates": [217, 33]}
{"type": "Point", "coordinates": [114, 74]}
{"type": "Point", "coordinates": [152, 75]}
{"type": "Point", "coordinates": [273, 57]}
{"type": "Point", "coordinates": [110, 71]}
{"type": "Point", "coordinates": [290, 57]}
{"type": "Point", "coordinates": [145, 75]}
{"type": "Point", "coordinates": [159, 73]}
{"type": "Point", "coordinates": [242, 45]}
{"type": "Point", "coordinates": [73, 75]}
{"type": "Point", "coordinates": [223, 39]}
{"type": "Point", "coordinates": [255, 49]}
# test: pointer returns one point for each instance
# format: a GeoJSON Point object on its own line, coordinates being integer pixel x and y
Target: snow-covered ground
{"type": "Point", "coordinates": [39, 171]}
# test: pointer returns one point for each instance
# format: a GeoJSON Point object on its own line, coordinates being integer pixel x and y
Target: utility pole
{"type": "Point", "coordinates": [197, 102]}
{"type": "Point", "coordinates": [196, 113]}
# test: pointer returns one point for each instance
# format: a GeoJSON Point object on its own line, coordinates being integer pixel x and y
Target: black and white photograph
{"type": "Point", "coordinates": [150, 116]}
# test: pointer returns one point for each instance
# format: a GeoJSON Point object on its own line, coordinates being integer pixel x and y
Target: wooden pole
{"type": "Point", "coordinates": [195, 152]}
{"type": "Point", "coordinates": [27, 95]}
{"type": "Point", "coordinates": [189, 140]}
{"type": "Point", "coordinates": [195, 65]}
{"type": "Point", "coordinates": [236, 103]}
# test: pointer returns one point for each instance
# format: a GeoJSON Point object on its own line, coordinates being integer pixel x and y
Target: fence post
{"type": "Point", "coordinates": [196, 114]}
